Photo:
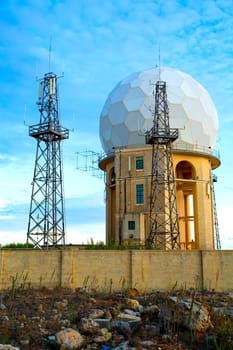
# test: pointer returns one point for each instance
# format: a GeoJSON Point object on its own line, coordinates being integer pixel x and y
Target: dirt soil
{"type": "Point", "coordinates": [28, 317]}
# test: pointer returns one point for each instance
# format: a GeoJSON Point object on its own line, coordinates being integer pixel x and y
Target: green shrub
{"type": "Point", "coordinates": [18, 245]}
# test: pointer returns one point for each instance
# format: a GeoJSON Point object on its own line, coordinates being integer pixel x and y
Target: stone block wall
{"type": "Point", "coordinates": [116, 270]}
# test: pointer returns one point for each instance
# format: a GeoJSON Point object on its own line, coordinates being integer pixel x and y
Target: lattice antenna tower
{"type": "Point", "coordinates": [46, 227]}
{"type": "Point", "coordinates": [164, 226]}
{"type": "Point", "coordinates": [216, 226]}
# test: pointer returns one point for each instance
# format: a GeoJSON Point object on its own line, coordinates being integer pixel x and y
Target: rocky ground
{"type": "Point", "coordinates": [85, 319]}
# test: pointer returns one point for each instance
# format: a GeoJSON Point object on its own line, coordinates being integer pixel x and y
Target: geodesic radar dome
{"type": "Point", "coordinates": [128, 111]}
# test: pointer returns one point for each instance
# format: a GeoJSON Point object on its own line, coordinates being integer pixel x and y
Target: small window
{"type": "Point", "coordinates": [131, 225]}
{"type": "Point", "coordinates": [139, 163]}
{"type": "Point", "coordinates": [139, 194]}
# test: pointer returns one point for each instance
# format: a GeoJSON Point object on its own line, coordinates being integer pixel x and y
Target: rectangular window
{"type": "Point", "coordinates": [139, 194]}
{"type": "Point", "coordinates": [139, 163]}
{"type": "Point", "coordinates": [131, 225]}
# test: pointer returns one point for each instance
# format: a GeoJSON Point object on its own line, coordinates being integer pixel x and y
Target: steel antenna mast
{"type": "Point", "coordinates": [216, 227]}
{"type": "Point", "coordinates": [46, 218]}
{"type": "Point", "coordinates": [164, 225]}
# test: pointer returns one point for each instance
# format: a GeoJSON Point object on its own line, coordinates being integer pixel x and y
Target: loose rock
{"type": "Point", "coordinates": [69, 339]}
{"type": "Point", "coordinates": [88, 326]}
{"type": "Point", "coordinates": [103, 337]}
{"type": "Point", "coordinates": [189, 314]}
{"type": "Point", "coordinates": [127, 316]}
{"type": "Point", "coordinates": [122, 326]}
{"type": "Point", "coordinates": [2, 307]}
{"type": "Point", "coordinates": [96, 313]}
{"type": "Point", "coordinates": [133, 304]}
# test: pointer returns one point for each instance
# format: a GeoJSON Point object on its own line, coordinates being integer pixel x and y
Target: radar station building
{"type": "Point", "coordinates": [126, 116]}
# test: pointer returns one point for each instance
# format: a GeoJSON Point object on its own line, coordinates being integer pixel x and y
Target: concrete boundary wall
{"type": "Point", "coordinates": [116, 270]}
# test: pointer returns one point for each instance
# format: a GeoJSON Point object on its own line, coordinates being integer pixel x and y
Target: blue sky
{"type": "Point", "coordinates": [96, 44]}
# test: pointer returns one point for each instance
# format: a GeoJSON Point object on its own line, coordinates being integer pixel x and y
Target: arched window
{"type": "Point", "coordinates": [185, 170]}
{"type": "Point", "coordinates": [112, 177]}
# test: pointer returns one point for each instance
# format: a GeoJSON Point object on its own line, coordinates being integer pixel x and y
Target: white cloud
{"type": "Point", "coordinates": [12, 236]}
{"type": "Point", "coordinates": [3, 204]}
{"type": "Point", "coordinates": [6, 217]}
{"type": "Point", "coordinates": [83, 233]}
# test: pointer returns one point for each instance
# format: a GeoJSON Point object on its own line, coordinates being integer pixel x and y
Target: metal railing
{"type": "Point", "coordinates": [176, 146]}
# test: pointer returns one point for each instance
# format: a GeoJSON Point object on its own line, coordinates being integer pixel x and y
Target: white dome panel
{"type": "Point", "coordinates": [106, 128]}
{"type": "Point", "coordinates": [106, 107]}
{"type": "Point", "coordinates": [190, 88]}
{"type": "Point", "coordinates": [193, 110]}
{"type": "Point", "coordinates": [187, 134]}
{"type": "Point", "coordinates": [120, 135]}
{"type": "Point", "coordinates": [208, 106]}
{"type": "Point", "coordinates": [175, 78]}
{"type": "Point", "coordinates": [134, 137]}
{"type": "Point", "coordinates": [134, 121]}
{"type": "Point", "coordinates": [119, 93]}
{"type": "Point", "coordinates": [181, 117]}
{"type": "Point", "coordinates": [146, 111]}
{"type": "Point", "coordinates": [133, 99]}
{"type": "Point", "coordinates": [197, 131]}
{"type": "Point", "coordinates": [117, 113]}
{"type": "Point", "coordinates": [148, 88]}
{"type": "Point", "coordinates": [176, 94]}
{"type": "Point", "coordinates": [128, 80]}
{"type": "Point", "coordinates": [147, 125]}
{"type": "Point", "coordinates": [135, 83]}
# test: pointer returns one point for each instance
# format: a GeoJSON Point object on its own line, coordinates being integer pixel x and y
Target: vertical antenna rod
{"type": "Point", "coordinates": [164, 225]}
{"type": "Point", "coordinates": [159, 64]}
{"type": "Point", "coordinates": [50, 53]}
{"type": "Point", "coordinates": [46, 217]}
